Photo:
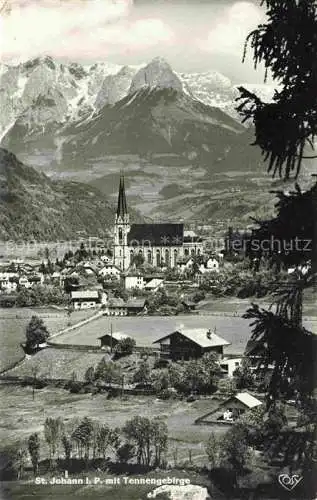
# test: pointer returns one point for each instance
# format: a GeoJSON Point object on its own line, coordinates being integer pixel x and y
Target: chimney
{"type": "Point", "coordinates": [209, 334]}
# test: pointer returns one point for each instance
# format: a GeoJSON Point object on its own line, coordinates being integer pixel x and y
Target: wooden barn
{"type": "Point", "coordinates": [190, 343]}
{"type": "Point", "coordinates": [230, 410]}
{"type": "Point", "coordinates": [110, 340]}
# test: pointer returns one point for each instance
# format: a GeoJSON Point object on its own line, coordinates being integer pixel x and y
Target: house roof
{"type": "Point", "coordinates": [136, 303]}
{"type": "Point", "coordinates": [154, 283]}
{"type": "Point", "coordinates": [118, 302]}
{"type": "Point", "coordinates": [116, 335]}
{"type": "Point", "coordinates": [247, 399]}
{"type": "Point", "coordinates": [164, 235]}
{"type": "Point", "coordinates": [85, 294]}
{"type": "Point", "coordinates": [199, 336]}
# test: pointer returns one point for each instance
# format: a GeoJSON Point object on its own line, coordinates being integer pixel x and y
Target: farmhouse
{"type": "Point", "coordinates": [110, 340]}
{"type": "Point", "coordinates": [85, 299]}
{"type": "Point", "coordinates": [230, 410]}
{"type": "Point", "coordinates": [191, 343]}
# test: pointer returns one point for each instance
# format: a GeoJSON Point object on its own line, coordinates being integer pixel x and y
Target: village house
{"type": "Point", "coordinates": [110, 270]}
{"type": "Point", "coordinates": [8, 285]}
{"type": "Point", "coordinates": [190, 343]}
{"type": "Point", "coordinates": [119, 307]}
{"type": "Point", "coordinates": [85, 299]}
{"type": "Point", "coordinates": [134, 280]}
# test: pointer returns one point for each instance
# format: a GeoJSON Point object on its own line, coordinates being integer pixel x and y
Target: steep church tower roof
{"type": "Point", "coordinates": [122, 201]}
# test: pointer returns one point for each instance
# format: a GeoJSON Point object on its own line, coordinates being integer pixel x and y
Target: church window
{"type": "Point", "coordinates": [175, 257]}
{"type": "Point", "coordinates": [186, 251]}
{"type": "Point", "coordinates": [131, 256]}
{"type": "Point", "coordinates": [120, 236]}
{"type": "Point", "coordinates": [167, 258]}
{"type": "Point", "coordinates": [158, 258]}
{"type": "Point", "coordinates": [149, 257]}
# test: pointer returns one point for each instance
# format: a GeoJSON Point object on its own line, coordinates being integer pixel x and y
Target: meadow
{"type": "Point", "coordinates": [14, 321]}
{"type": "Point", "coordinates": [21, 416]}
{"type": "Point", "coordinates": [145, 330]}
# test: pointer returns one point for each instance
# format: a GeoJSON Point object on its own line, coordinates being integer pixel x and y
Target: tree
{"type": "Point", "coordinates": [82, 437]}
{"type": "Point", "coordinates": [90, 374]}
{"type": "Point", "coordinates": [160, 440]}
{"type": "Point", "coordinates": [234, 450]}
{"type": "Point", "coordinates": [243, 376]}
{"type": "Point", "coordinates": [19, 461]}
{"type": "Point", "coordinates": [34, 451]}
{"type": "Point", "coordinates": [106, 438]}
{"type": "Point", "coordinates": [150, 438]}
{"type": "Point", "coordinates": [125, 346]}
{"type": "Point", "coordinates": [125, 452]}
{"type": "Point", "coordinates": [213, 450]}
{"type": "Point", "coordinates": [287, 45]}
{"type": "Point", "coordinates": [143, 373]}
{"type": "Point", "coordinates": [108, 372]}
{"type": "Point", "coordinates": [52, 431]}
{"type": "Point", "coordinates": [67, 445]}
{"type": "Point", "coordinates": [36, 332]}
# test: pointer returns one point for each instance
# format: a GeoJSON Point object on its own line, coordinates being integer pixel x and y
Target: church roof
{"type": "Point", "coordinates": [164, 235]}
{"type": "Point", "coordinates": [122, 201]}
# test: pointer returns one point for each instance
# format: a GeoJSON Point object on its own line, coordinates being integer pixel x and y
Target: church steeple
{"type": "Point", "coordinates": [122, 201]}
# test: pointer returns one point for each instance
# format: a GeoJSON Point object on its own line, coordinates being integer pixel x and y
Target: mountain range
{"type": "Point", "coordinates": [177, 137]}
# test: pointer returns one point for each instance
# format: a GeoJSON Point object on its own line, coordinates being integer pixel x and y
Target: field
{"type": "Point", "coordinates": [57, 364]}
{"type": "Point", "coordinates": [12, 329]}
{"type": "Point", "coordinates": [22, 416]}
{"type": "Point", "coordinates": [145, 330]}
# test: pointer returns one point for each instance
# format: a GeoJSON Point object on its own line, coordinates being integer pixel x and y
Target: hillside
{"type": "Point", "coordinates": [32, 206]}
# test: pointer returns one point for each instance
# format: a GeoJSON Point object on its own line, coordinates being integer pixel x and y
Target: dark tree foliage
{"type": "Point", "coordinates": [287, 45]}
{"type": "Point", "coordinates": [288, 237]}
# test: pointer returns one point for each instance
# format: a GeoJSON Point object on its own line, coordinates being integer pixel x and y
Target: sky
{"type": "Point", "coordinates": [193, 36]}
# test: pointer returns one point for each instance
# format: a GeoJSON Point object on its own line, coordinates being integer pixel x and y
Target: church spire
{"type": "Point", "coordinates": [122, 201]}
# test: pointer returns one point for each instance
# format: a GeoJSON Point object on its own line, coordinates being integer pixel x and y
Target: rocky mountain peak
{"type": "Point", "coordinates": [158, 73]}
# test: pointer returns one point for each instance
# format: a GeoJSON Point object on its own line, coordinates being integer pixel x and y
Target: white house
{"type": "Point", "coordinates": [134, 281]}
{"type": "Point", "coordinates": [106, 259]}
{"type": "Point", "coordinates": [8, 285]}
{"type": "Point", "coordinates": [85, 299]}
{"type": "Point", "coordinates": [212, 264]}
{"type": "Point", "coordinates": [24, 282]}
{"type": "Point", "coordinates": [110, 270]}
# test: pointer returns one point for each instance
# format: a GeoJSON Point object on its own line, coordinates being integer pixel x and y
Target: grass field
{"type": "Point", "coordinates": [13, 323]}
{"type": "Point", "coordinates": [21, 416]}
{"type": "Point", "coordinates": [145, 330]}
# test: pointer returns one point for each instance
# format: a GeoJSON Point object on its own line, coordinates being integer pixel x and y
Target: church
{"type": "Point", "coordinates": [161, 245]}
